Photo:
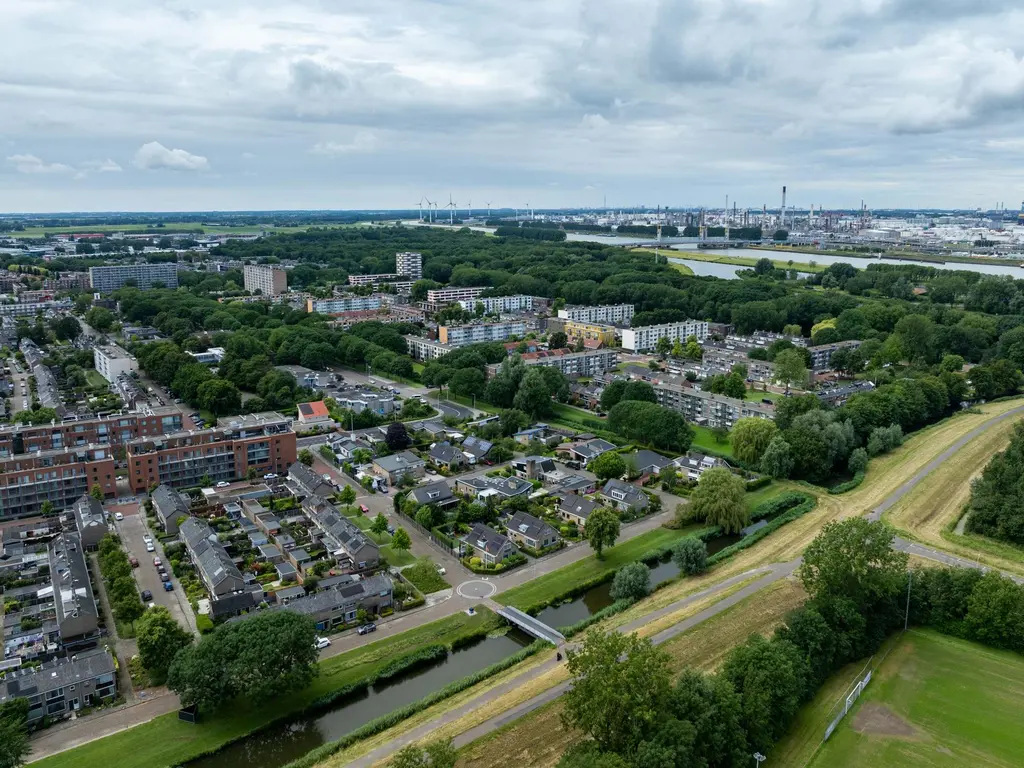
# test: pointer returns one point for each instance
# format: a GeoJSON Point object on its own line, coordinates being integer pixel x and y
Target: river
{"type": "Point", "coordinates": [280, 744]}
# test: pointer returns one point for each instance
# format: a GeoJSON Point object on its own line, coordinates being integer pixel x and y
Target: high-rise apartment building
{"type": "Point", "coordinates": [461, 335]}
{"type": "Point", "coordinates": [142, 276]}
{"type": "Point", "coordinates": [646, 337]}
{"type": "Point", "coordinates": [267, 279]}
{"type": "Point", "coordinates": [341, 304]}
{"type": "Point", "coordinates": [498, 304]}
{"type": "Point", "coordinates": [619, 314]}
{"type": "Point", "coordinates": [409, 264]}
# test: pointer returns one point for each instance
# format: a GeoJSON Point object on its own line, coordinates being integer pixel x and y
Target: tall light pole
{"type": "Point", "coordinates": [758, 759]}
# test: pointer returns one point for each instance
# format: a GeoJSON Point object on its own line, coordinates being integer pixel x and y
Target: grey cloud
{"type": "Point", "coordinates": [154, 156]}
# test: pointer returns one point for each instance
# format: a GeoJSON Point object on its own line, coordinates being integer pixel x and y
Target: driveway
{"type": "Point", "coordinates": [132, 529]}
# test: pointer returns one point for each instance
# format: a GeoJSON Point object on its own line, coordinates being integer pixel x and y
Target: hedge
{"type": "Point", "coordinates": [423, 656]}
{"type": "Point", "coordinates": [759, 482]}
{"type": "Point", "coordinates": [393, 718]}
{"type": "Point", "coordinates": [774, 507]}
{"type": "Point", "coordinates": [748, 541]}
{"type": "Point", "coordinates": [849, 485]}
{"type": "Point", "coordinates": [617, 607]}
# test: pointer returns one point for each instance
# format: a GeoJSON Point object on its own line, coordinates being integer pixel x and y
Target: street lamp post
{"type": "Point", "coordinates": [758, 759]}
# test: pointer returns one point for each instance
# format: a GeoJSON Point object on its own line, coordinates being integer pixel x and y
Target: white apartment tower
{"type": "Point", "coordinates": [646, 337]}
{"type": "Point", "coordinates": [268, 280]}
{"type": "Point", "coordinates": [617, 314]}
{"type": "Point", "coordinates": [409, 264]}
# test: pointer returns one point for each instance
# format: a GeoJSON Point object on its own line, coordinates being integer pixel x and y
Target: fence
{"type": "Point", "coordinates": [850, 699]}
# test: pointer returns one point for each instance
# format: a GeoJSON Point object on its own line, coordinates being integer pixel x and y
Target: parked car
{"type": "Point", "coordinates": [440, 569]}
{"type": "Point", "coordinates": [364, 509]}
{"type": "Point", "coordinates": [134, 562]}
{"type": "Point", "coordinates": [157, 562]}
{"type": "Point", "coordinates": [322, 642]}
{"type": "Point", "coordinates": [168, 586]}
{"type": "Point", "coordinates": [270, 476]}
{"type": "Point", "coordinates": [119, 516]}
{"type": "Point", "coordinates": [150, 547]}
{"type": "Point", "coordinates": [147, 538]}
{"type": "Point", "coordinates": [223, 484]}
{"type": "Point", "coordinates": [367, 629]}
{"type": "Point", "coordinates": [391, 530]}
{"type": "Point", "coordinates": [161, 569]}
{"type": "Point", "coordinates": [165, 577]}
{"type": "Point", "coordinates": [146, 596]}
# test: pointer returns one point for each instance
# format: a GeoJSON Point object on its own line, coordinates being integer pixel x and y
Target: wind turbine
{"type": "Point", "coordinates": [530, 210]}
{"type": "Point", "coordinates": [451, 213]}
{"type": "Point", "coordinates": [469, 210]}
{"type": "Point", "coordinates": [488, 210]}
{"type": "Point", "coordinates": [421, 208]}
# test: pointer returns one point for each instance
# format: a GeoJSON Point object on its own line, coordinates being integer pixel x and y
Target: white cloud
{"type": "Point", "coordinates": [101, 166]}
{"type": "Point", "coordinates": [154, 156]}
{"type": "Point", "coordinates": [362, 142]}
{"type": "Point", "coordinates": [30, 164]}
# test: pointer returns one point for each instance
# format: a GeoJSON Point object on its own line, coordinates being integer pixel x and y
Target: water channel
{"type": "Point", "coordinates": [280, 744]}
{"type": "Point", "coordinates": [596, 598]}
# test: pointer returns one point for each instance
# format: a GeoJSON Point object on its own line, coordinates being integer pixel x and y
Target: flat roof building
{"type": "Point", "coordinates": [409, 264]}
{"type": "Point", "coordinates": [268, 280]}
{"type": "Point", "coordinates": [619, 314]}
{"type": "Point", "coordinates": [461, 335]}
{"type": "Point", "coordinates": [111, 362]}
{"type": "Point", "coordinates": [142, 276]}
{"type": "Point", "coordinates": [646, 337]}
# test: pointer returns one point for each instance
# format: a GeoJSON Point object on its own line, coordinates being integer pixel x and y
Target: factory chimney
{"type": "Point", "coordinates": [782, 210]}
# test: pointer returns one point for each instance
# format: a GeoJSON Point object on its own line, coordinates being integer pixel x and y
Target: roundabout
{"type": "Point", "coordinates": [476, 589]}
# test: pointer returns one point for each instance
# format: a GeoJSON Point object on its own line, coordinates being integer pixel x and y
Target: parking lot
{"type": "Point", "coordinates": [132, 529]}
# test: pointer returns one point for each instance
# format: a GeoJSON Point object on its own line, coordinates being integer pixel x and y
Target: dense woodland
{"type": "Point", "coordinates": [996, 507]}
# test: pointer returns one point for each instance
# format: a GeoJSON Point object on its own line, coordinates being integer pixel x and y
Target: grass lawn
{"type": "Point", "coordinates": [397, 557]}
{"type": "Point", "coordinates": [363, 522]}
{"type": "Point", "coordinates": [168, 741]}
{"type": "Point", "coordinates": [564, 579]}
{"type": "Point", "coordinates": [425, 578]}
{"type": "Point", "coordinates": [934, 701]}
{"type": "Point", "coordinates": [681, 267]}
{"type": "Point", "coordinates": [704, 440]}
{"type": "Point", "coordinates": [95, 379]}
{"type": "Point", "coordinates": [753, 498]}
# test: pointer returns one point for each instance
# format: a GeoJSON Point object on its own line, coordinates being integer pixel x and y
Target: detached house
{"type": "Point", "coordinates": [528, 531]}
{"type": "Point", "coordinates": [434, 494]}
{"type": "Point", "coordinates": [447, 456]}
{"type": "Point", "coordinates": [576, 509]}
{"type": "Point", "coordinates": [648, 462]}
{"type": "Point", "coordinates": [399, 465]}
{"type": "Point", "coordinates": [476, 448]}
{"type": "Point", "coordinates": [693, 465]}
{"type": "Point", "coordinates": [533, 467]}
{"type": "Point", "coordinates": [623, 496]}
{"type": "Point", "coordinates": [590, 450]}
{"type": "Point", "coordinates": [487, 544]}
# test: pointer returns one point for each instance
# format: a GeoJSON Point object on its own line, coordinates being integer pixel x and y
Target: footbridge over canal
{"type": "Point", "coordinates": [531, 625]}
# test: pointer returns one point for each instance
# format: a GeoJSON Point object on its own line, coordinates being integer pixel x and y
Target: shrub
{"type": "Point", "coordinates": [691, 555]}
{"type": "Point", "coordinates": [631, 582]}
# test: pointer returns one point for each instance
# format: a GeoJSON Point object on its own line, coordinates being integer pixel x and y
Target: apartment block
{"type": "Point", "coordinates": [821, 355]}
{"type": "Point", "coordinates": [264, 442]}
{"type": "Point", "coordinates": [593, 335]}
{"type": "Point", "coordinates": [32, 309]}
{"type": "Point", "coordinates": [143, 276]}
{"type": "Point", "coordinates": [268, 280]}
{"type": "Point", "coordinates": [338, 305]}
{"type": "Point", "coordinates": [572, 364]}
{"type": "Point", "coordinates": [62, 686]}
{"type": "Point", "coordinates": [60, 477]}
{"type": "Point", "coordinates": [377, 282]}
{"type": "Point", "coordinates": [426, 349]}
{"type": "Point", "coordinates": [720, 359]}
{"type": "Point", "coordinates": [618, 314]}
{"type": "Point", "coordinates": [409, 264]}
{"type": "Point", "coordinates": [110, 430]}
{"type": "Point", "coordinates": [646, 337]}
{"type": "Point", "coordinates": [440, 298]}
{"type": "Point", "coordinates": [497, 304]}
{"type": "Point", "coordinates": [111, 362]}
{"type": "Point", "coordinates": [707, 409]}
{"type": "Point", "coordinates": [461, 335]}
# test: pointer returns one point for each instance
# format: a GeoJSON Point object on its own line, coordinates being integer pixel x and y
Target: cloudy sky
{"type": "Point", "coordinates": [259, 104]}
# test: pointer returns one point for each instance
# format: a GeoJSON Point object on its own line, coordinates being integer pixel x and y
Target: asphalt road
{"type": "Point", "coordinates": [132, 529]}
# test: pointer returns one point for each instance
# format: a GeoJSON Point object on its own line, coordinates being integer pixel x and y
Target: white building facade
{"type": "Point", "coordinates": [111, 361]}
{"type": "Point", "coordinates": [646, 337]}
{"type": "Point", "coordinates": [618, 314]}
{"type": "Point", "coordinates": [268, 280]}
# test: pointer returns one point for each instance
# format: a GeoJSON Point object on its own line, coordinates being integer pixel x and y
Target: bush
{"type": "Point", "coordinates": [631, 582]}
{"type": "Point", "coordinates": [425, 578]}
{"type": "Point", "coordinates": [749, 541]}
{"type": "Point", "coordinates": [758, 483]}
{"type": "Point", "coordinates": [849, 485]}
{"type": "Point", "coordinates": [691, 555]}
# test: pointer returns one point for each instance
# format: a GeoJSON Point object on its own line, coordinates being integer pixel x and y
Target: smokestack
{"type": "Point", "coordinates": [782, 210]}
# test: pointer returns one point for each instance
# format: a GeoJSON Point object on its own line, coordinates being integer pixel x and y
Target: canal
{"type": "Point", "coordinates": [280, 744]}
{"type": "Point", "coordinates": [600, 597]}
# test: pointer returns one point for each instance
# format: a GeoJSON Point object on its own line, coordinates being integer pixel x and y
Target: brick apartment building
{"type": "Point", "coordinates": [262, 441]}
{"type": "Point", "coordinates": [110, 430]}
{"type": "Point", "coordinates": [58, 476]}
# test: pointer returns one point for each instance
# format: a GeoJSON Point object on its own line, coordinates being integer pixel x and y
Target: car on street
{"type": "Point", "coordinates": [322, 642]}
{"type": "Point", "coordinates": [364, 509]}
{"type": "Point", "coordinates": [134, 562]}
{"type": "Point", "coordinates": [150, 547]}
{"type": "Point", "coordinates": [391, 530]}
{"type": "Point", "coordinates": [367, 629]}
{"type": "Point", "coordinates": [168, 586]}
{"type": "Point", "coordinates": [147, 538]}
{"type": "Point", "coordinates": [223, 484]}
{"type": "Point", "coordinates": [146, 595]}
{"type": "Point", "coordinates": [157, 562]}
{"type": "Point", "coordinates": [440, 569]}
{"type": "Point", "coordinates": [270, 476]}
{"type": "Point", "coordinates": [119, 516]}
{"type": "Point", "coordinates": [165, 577]}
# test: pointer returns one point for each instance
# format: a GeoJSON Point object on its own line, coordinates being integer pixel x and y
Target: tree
{"type": "Point", "coordinates": [397, 437]}
{"type": "Point", "coordinates": [467, 382]}
{"type": "Point", "coordinates": [602, 530]}
{"type": "Point", "coordinates": [588, 754]}
{"type": "Point", "coordinates": [853, 559]}
{"type": "Point", "coordinates": [347, 495]}
{"type": "Point", "coordinates": [693, 351]}
{"type": "Point", "coordinates": [612, 394]}
{"type": "Point", "coordinates": [128, 609]}
{"type": "Point", "coordinates": [691, 555]}
{"type": "Point", "coordinates": [306, 457]}
{"type": "Point", "coordinates": [511, 421]}
{"type": "Point", "coordinates": [159, 639]}
{"type": "Point", "coordinates": [401, 540]}
{"type": "Point", "coordinates": [608, 465]}
{"type": "Point", "coordinates": [557, 340]}
{"type": "Point", "coordinates": [46, 509]}
{"type": "Point", "coordinates": [219, 397]}
{"type": "Point", "coordinates": [952, 363]}
{"type": "Point", "coordinates": [269, 654]}
{"type": "Point", "coordinates": [663, 346]}
{"type": "Point", "coordinates": [379, 524]}
{"type": "Point", "coordinates": [620, 684]}
{"type": "Point", "coordinates": [719, 500]}
{"type": "Point", "coordinates": [97, 492]}
{"type": "Point", "coordinates": [14, 744]}
{"type": "Point", "coordinates": [790, 368]}
{"type": "Point", "coordinates": [534, 395]}
{"type": "Point", "coordinates": [751, 437]}
{"type": "Point", "coordinates": [632, 582]}
{"type": "Point", "coordinates": [100, 318]}
{"type": "Point", "coordinates": [67, 328]}
{"type": "Point", "coordinates": [858, 461]}
{"type": "Point", "coordinates": [437, 754]}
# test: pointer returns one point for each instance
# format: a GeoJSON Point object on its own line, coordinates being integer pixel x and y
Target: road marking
{"type": "Point", "coordinates": [474, 586]}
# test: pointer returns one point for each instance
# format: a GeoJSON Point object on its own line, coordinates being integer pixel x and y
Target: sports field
{"type": "Point", "coordinates": [935, 701]}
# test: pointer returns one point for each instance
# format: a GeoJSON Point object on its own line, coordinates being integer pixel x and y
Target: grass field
{"type": "Point", "coordinates": [168, 741]}
{"type": "Point", "coordinates": [738, 261]}
{"type": "Point", "coordinates": [95, 379]}
{"type": "Point", "coordinates": [935, 701]}
{"type": "Point", "coordinates": [681, 268]}
{"type": "Point", "coordinates": [704, 440]}
{"type": "Point", "coordinates": [425, 578]}
{"type": "Point", "coordinates": [565, 579]}
{"type": "Point", "coordinates": [930, 512]}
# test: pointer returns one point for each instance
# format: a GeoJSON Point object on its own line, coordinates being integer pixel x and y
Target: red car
{"type": "Point", "coordinates": [134, 561]}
